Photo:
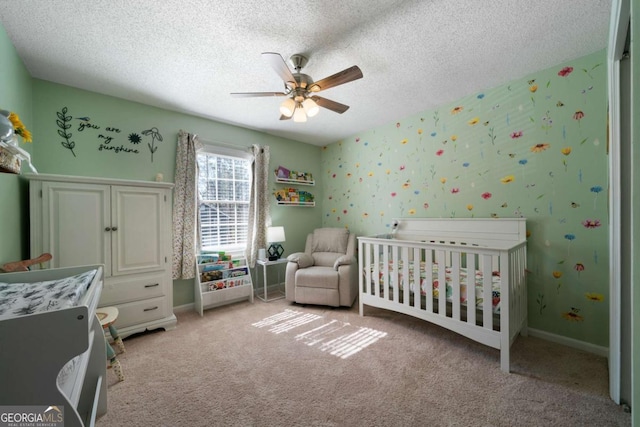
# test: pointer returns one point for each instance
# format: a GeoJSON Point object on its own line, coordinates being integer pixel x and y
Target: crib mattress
{"type": "Point", "coordinates": [437, 288]}
{"type": "Point", "coordinates": [19, 299]}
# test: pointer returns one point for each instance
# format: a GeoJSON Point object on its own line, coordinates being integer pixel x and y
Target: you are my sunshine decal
{"type": "Point", "coordinates": [108, 138]}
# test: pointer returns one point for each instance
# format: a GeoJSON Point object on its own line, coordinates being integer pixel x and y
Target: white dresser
{"type": "Point", "coordinates": [124, 225]}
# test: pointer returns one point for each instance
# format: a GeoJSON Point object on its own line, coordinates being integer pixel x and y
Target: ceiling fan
{"type": "Point", "coordinates": [300, 89]}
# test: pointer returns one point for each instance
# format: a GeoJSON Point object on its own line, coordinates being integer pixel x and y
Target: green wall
{"type": "Point", "coordinates": [98, 122]}
{"type": "Point", "coordinates": [535, 147]}
{"type": "Point", "coordinates": [16, 96]}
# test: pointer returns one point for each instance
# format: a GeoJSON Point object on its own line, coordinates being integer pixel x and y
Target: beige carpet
{"type": "Point", "coordinates": [278, 364]}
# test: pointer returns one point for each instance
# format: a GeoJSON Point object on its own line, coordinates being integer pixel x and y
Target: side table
{"type": "Point", "coordinates": [266, 263]}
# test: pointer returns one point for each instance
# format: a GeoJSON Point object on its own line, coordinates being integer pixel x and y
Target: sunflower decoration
{"type": "Point", "coordinates": [19, 128]}
{"type": "Point", "coordinates": [573, 316]}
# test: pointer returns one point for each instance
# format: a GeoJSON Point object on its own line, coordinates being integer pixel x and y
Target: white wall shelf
{"type": "Point", "coordinates": [302, 204]}
{"type": "Point", "coordinates": [294, 181]}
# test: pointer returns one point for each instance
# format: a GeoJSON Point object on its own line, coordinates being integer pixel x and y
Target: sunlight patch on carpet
{"type": "Point", "coordinates": [334, 337]}
{"type": "Point", "coordinates": [286, 321]}
{"type": "Point", "coordinates": [348, 345]}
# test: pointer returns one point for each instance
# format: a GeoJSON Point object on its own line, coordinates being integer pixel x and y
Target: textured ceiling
{"type": "Point", "coordinates": [188, 55]}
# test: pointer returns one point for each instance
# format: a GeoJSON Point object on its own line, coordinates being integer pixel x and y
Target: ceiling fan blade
{"type": "Point", "coordinates": [330, 105]}
{"type": "Point", "coordinates": [255, 94]}
{"type": "Point", "coordinates": [277, 63]}
{"type": "Point", "coordinates": [283, 117]}
{"type": "Point", "coordinates": [344, 76]}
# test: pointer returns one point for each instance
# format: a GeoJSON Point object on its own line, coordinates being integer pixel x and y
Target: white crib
{"type": "Point", "coordinates": [404, 272]}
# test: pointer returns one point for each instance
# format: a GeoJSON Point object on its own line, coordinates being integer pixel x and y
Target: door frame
{"type": "Point", "coordinates": [619, 27]}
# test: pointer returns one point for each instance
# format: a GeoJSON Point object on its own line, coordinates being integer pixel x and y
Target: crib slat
{"type": "Point", "coordinates": [442, 283]}
{"type": "Point", "coordinates": [514, 297]}
{"type": "Point", "coordinates": [405, 283]}
{"type": "Point", "coordinates": [505, 310]}
{"type": "Point", "coordinates": [417, 277]}
{"type": "Point", "coordinates": [366, 253]}
{"type": "Point", "coordinates": [487, 276]}
{"type": "Point", "coordinates": [375, 274]}
{"type": "Point", "coordinates": [363, 278]}
{"type": "Point", "coordinates": [518, 291]}
{"type": "Point", "coordinates": [395, 272]}
{"type": "Point", "coordinates": [428, 277]}
{"type": "Point", "coordinates": [455, 285]}
{"type": "Point", "coordinates": [471, 289]}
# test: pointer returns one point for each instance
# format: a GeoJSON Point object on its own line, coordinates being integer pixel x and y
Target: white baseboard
{"type": "Point", "coordinates": [185, 307]}
{"type": "Point", "coordinates": [570, 342]}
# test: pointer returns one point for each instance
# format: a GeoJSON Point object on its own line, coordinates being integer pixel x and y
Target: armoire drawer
{"type": "Point", "coordinates": [133, 313]}
{"type": "Point", "coordinates": [132, 288]}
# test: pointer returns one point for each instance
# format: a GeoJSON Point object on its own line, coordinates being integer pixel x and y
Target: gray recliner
{"type": "Point", "coordinates": [326, 273]}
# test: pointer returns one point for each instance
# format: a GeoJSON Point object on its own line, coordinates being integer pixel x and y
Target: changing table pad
{"type": "Point", "coordinates": [19, 299]}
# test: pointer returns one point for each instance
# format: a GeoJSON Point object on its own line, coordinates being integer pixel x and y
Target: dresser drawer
{"type": "Point", "coordinates": [132, 288]}
{"type": "Point", "coordinates": [133, 313]}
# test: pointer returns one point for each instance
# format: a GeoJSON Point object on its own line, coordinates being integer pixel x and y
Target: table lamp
{"type": "Point", "coordinates": [275, 235]}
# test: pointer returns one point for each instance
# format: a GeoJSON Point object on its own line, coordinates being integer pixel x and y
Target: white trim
{"type": "Point", "coordinates": [222, 149]}
{"type": "Point", "coordinates": [94, 180]}
{"type": "Point", "coordinates": [569, 342]}
{"type": "Point", "coordinates": [620, 14]}
{"type": "Point", "coordinates": [614, 232]}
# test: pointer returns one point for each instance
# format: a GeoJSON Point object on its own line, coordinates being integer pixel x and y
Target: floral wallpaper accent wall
{"type": "Point", "coordinates": [535, 147]}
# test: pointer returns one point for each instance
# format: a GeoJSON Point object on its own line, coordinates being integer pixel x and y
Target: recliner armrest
{"type": "Point", "coordinates": [344, 260]}
{"type": "Point", "coordinates": [303, 260]}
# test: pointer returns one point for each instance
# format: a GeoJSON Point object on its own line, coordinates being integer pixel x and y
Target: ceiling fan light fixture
{"type": "Point", "coordinates": [299, 89]}
{"type": "Point", "coordinates": [299, 115]}
{"type": "Point", "coordinates": [310, 107]}
{"type": "Point", "coordinates": [287, 107]}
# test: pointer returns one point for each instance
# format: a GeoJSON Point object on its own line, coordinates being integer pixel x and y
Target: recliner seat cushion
{"type": "Point", "coordinates": [317, 277]}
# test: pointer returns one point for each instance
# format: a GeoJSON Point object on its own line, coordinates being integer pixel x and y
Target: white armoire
{"type": "Point", "coordinates": [124, 225]}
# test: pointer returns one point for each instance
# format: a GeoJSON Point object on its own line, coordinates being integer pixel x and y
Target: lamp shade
{"type": "Point", "coordinates": [299, 115]}
{"type": "Point", "coordinates": [275, 234]}
{"type": "Point", "coordinates": [310, 107]}
{"type": "Point", "coordinates": [287, 107]}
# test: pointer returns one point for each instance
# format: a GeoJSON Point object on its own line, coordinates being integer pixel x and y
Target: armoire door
{"type": "Point", "coordinates": [137, 221]}
{"type": "Point", "coordinates": [75, 222]}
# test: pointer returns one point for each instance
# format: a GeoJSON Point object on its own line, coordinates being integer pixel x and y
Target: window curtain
{"type": "Point", "coordinates": [259, 204]}
{"type": "Point", "coordinates": [185, 208]}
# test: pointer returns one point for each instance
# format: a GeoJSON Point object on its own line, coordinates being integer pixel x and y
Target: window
{"type": "Point", "coordinates": [224, 189]}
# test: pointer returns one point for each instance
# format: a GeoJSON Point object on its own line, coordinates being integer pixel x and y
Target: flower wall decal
{"type": "Point", "coordinates": [595, 189]}
{"type": "Point", "coordinates": [565, 71]}
{"type": "Point", "coordinates": [466, 165]}
{"type": "Point", "coordinates": [578, 115]}
{"type": "Point", "coordinates": [539, 148]}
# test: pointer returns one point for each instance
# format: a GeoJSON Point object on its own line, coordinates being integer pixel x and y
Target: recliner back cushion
{"type": "Point", "coordinates": [330, 240]}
